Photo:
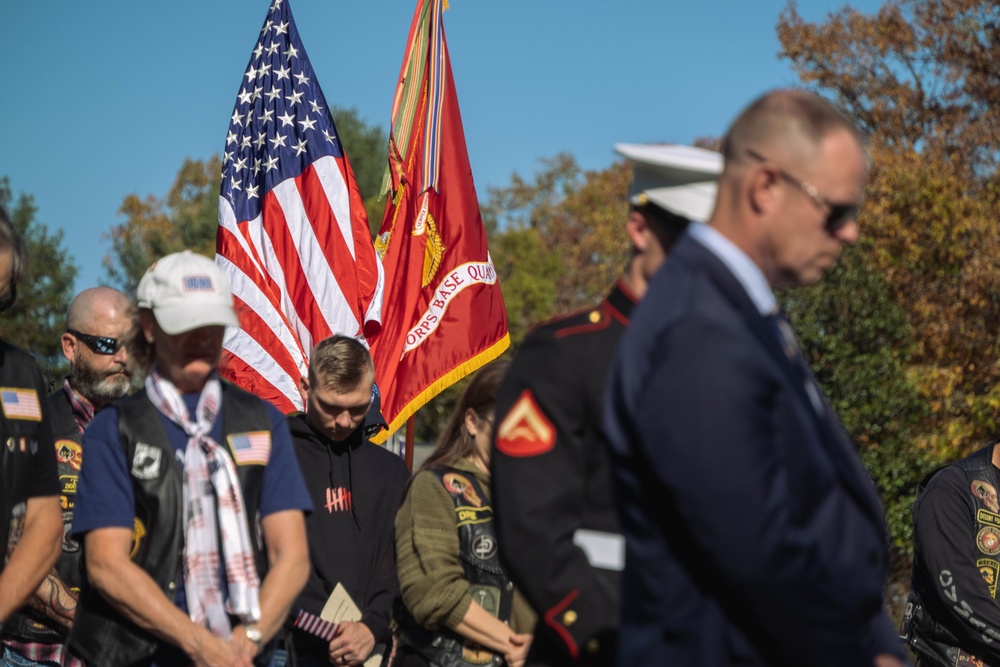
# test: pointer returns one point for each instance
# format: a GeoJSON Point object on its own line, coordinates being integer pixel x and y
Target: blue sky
{"type": "Point", "coordinates": [101, 100]}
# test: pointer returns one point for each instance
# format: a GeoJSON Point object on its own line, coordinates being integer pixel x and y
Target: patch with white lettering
{"type": "Point", "coordinates": [990, 569]}
{"type": "Point", "coordinates": [525, 430]}
{"type": "Point", "coordinates": [987, 493]}
{"type": "Point", "coordinates": [988, 540]}
{"type": "Point", "coordinates": [146, 461]}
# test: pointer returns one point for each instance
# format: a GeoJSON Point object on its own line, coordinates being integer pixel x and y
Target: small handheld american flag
{"type": "Point", "coordinates": [316, 626]}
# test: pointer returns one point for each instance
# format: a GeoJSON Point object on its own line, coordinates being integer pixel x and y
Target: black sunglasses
{"type": "Point", "coordinates": [839, 215]}
{"type": "Point", "coordinates": [99, 344]}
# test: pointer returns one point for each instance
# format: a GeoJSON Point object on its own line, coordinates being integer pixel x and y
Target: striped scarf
{"type": "Point", "coordinates": [83, 411]}
{"type": "Point", "coordinates": [209, 474]}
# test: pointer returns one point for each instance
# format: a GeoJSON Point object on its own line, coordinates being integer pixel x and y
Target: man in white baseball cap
{"type": "Point", "coordinates": [186, 291]}
{"type": "Point", "coordinates": [179, 568]}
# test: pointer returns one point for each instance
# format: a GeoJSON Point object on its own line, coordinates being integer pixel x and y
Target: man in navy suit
{"type": "Point", "coordinates": [754, 536]}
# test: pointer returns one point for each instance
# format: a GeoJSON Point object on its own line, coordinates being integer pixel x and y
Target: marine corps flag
{"type": "Point", "coordinates": [443, 315]}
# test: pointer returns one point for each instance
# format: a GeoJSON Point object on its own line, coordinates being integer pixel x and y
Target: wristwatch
{"type": "Point", "coordinates": [255, 635]}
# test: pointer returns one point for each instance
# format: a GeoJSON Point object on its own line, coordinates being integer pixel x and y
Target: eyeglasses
{"type": "Point", "coordinates": [99, 344]}
{"type": "Point", "coordinates": [839, 215]}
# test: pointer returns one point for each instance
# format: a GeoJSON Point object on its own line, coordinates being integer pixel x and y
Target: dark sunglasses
{"type": "Point", "coordinates": [99, 344]}
{"type": "Point", "coordinates": [839, 215]}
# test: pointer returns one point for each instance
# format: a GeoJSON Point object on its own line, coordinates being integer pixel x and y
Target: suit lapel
{"type": "Point", "coordinates": [832, 435]}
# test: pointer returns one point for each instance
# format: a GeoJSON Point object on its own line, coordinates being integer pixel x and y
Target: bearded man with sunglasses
{"type": "Point", "coordinates": [754, 536]}
{"type": "Point", "coordinates": [97, 322]}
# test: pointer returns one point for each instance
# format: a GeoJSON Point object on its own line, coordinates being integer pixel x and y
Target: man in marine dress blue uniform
{"type": "Point", "coordinates": [558, 531]}
{"type": "Point", "coordinates": [754, 536]}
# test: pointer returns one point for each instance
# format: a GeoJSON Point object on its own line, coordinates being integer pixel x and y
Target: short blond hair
{"type": "Point", "coordinates": [340, 362]}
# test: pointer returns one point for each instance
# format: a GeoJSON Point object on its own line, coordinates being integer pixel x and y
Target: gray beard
{"type": "Point", "coordinates": [100, 387]}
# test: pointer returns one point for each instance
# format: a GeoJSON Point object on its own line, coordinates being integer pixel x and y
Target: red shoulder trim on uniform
{"type": "Point", "coordinates": [525, 430]}
{"type": "Point", "coordinates": [599, 319]}
{"type": "Point", "coordinates": [616, 314]}
{"type": "Point", "coordinates": [560, 629]}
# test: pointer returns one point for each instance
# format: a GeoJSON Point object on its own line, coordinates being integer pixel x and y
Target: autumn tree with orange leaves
{"type": "Point", "coordinates": [921, 77]}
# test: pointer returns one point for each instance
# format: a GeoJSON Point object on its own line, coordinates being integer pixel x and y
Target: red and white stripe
{"type": "Point", "coordinates": [303, 270]}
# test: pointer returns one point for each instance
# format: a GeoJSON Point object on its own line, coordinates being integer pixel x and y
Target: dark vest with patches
{"type": "Point", "coordinates": [932, 641]}
{"type": "Point", "coordinates": [28, 624]}
{"type": "Point", "coordinates": [489, 585]}
{"type": "Point", "coordinates": [102, 635]}
{"type": "Point", "coordinates": [17, 438]}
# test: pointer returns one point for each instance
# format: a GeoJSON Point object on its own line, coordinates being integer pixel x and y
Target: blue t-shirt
{"type": "Point", "coordinates": [104, 497]}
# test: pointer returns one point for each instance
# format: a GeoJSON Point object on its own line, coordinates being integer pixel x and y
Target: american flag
{"type": "Point", "coordinates": [20, 404]}
{"type": "Point", "coordinates": [253, 447]}
{"type": "Point", "coordinates": [315, 625]}
{"type": "Point", "coordinates": [293, 235]}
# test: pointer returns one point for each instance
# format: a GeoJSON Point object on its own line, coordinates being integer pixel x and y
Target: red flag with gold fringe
{"type": "Point", "coordinates": [443, 315]}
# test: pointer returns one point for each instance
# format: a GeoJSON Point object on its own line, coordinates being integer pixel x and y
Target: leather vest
{"type": "Point", "coordinates": [934, 643]}
{"type": "Point", "coordinates": [28, 624]}
{"type": "Point", "coordinates": [19, 439]}
{"type": "Point", "coordinates": [102, 635]}
{"type": "Point", "coordinates": [489, 585]}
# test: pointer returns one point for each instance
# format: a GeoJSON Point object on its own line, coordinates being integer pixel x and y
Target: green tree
{"type": "Point", "coordinates": [561, 235]}
{"type": "Point", "coordinates": [187, 217]}
{"type": "Point", "coordinates": [858, 342]}
{"type": "Point", "coordinates": [38, 317]}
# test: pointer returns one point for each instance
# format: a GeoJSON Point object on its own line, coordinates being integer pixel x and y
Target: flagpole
{"type": "Point", "coordinates": [410, 431]}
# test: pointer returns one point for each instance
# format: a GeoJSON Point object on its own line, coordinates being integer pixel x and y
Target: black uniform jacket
{"type": "Point", "coordinates": [551, 484]}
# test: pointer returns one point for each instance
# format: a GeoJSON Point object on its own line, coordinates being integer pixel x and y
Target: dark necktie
{"type": "Point", "coordinates": [790, 345]}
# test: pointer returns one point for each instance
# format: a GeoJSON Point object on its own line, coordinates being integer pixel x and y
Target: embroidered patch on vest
{"type": "Point", "coordinates": [146, 461]}
{"type": "Point", "coordinates": [963, 659]}
{"type": "Point", "coordinates": [525, 430]}
{"type": "Point", "coordinates": [20, 404]}
{"type": "Point", "coordinates": [485, 547]}
{"type": "Point", "coordinates": [253, 448]}
{"type": "Point", "coordinates": [988, 541]}
{"type": "Point", "coordinates": [990, 569]}
{"type": "Point", "coordinates": [987, 493]}
{"type": "Point", "coordinates": [138, 532]}
{"type": "Point", "coordinates": [989, 518]}
{"type": "Point", "coordinates": [69, 545]}
{"type": "Point", "coordinates": [459, 485]}
{"type": "Point", "coordinates": [69, 452]}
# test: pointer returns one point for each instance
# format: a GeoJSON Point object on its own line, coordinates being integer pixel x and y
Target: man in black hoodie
{"type": "Point", "coordinates": [356, 487]}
